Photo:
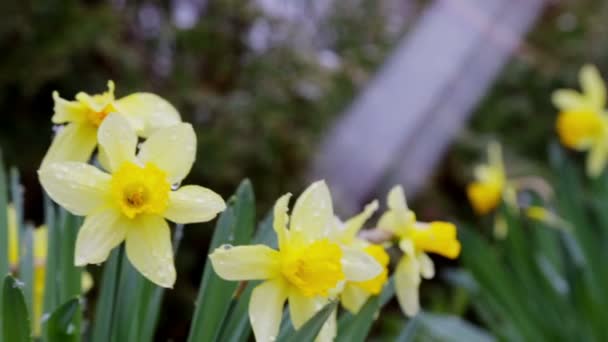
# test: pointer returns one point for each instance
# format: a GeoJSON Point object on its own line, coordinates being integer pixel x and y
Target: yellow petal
{"type": "Point", "coordinates": [86, 282]}
{"type": "Point", "coordinates": [99, 234]}
{"type": "Point", "coordinates": [302, 308]}
{"type": "Point", "coordinates": [567, 99]}
{"type": "Point", "coordinates": [593, 86]}
{"type": "Point", "coordinates": [436, 237]}
{"type": "Point", "coordinates": [580, 129]}
{"type": "Point", "coordinates": [172, 149]}
{"type": "Point", "coordinates": [149, 249]}
{"type": "Point", "coordinates": [395, 222]}
{"type": "Point", "coordinates": [281, 219]}
{"type": "Point", "coordinates": [374, 286]}
{"type": "Point", "coordinates": [353, 297]}
{"type": "Point", "coordinates": [148, 112]}
{"type": "Point", "coordinates": [354, 224]}
{"type": "Point", "coordinates": [358, 265]}
{"type": "Point", "coordinates": [40, 245]}
{"type": "Point", "coordinates": [192, 203]}
{"type": "Point", "coordinates": [75, 142]}
{"type": "Point", "coordinates": [313, 212]}
{"type": "Point", "coordinates": [67, 111]}
{"type": "Point", "coordinates": [484, 196]}
{"type": "Point", "coordinates": [266, 309]}
{"type": "Point", "coordinates": [329, 330]}
{"type": "Point", "coordinates": [407, 281]}
{"type": "Point", "coordinates": [427, 267]}
{"type": "Point", "coordinates": [118, 140]}
{"type": "Point", "coordinates": [396, 198]}
{"type": "Point", "coordinates": [245, 262]}
{"type": "Point", "coordinates": [13, 237]}
{"type": "Point", "coordinates": [78, 187]}
{"type": "Point", "coordinates": [38, 298]}
{"type": "Point", "coordinates": [596, 160]}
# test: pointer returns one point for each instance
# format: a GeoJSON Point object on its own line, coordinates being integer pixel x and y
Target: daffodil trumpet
{"type": "Point", "coordinates": [133, 199]}
{"type": "Point", "coordinates": [309, 268]}
{"type": "Point", "coordinates": [81, 119]}
{"type": "Point", "coordinates": [582, 123]}
{"type": "Point", "coordinates": [415, 240]}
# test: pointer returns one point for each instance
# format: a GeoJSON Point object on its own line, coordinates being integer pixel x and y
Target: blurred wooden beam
{"type": "Point", "coordinates": [398, 128]}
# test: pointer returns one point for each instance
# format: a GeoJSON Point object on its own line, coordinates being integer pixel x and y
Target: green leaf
{"type": "Point", "coordinates": [26, 268]}
{"type": "Point", "coordinates": [15, 317]}
{"type": "Point", "coordinates": [408, 334]}
{"type": "Point", "coordinates": [51, 291]}
{"type": "Point", "coordinates": [61, 325]}
{"type": "Point", "coordinates": [356, 327]}
{"type": "Point", "coordinates": [4, 267]}
{"type": "Point", "coordinates": [106, 301]}
{"type": "Point", "coordinates": [70, 275]}
{"type": "Point", "coordinates": [449, 328]}
{"type": "Point", "coordinates": [235, 227]}
{"type": "Point", "coordinates": [309, 331]}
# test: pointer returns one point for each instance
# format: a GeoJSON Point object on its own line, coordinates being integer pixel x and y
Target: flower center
{"type": "Point", "coordinates": [374, 285]}
{"type": "Point", "coordinates": [579, 129]}
{"type": "Point", "coordinates": [140, 190]}
{"type": "Point", "coordinates": [314, 269]}
{"type": "Point", "coordinates": [96, 118]}
{"type": "Point", "coordinates": [437, 237]}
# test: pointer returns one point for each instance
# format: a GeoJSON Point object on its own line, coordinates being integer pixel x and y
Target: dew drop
{"type": "Point", "coordinates": [18, 284]}
{"type": "Point", "coordinates": [226, 247]}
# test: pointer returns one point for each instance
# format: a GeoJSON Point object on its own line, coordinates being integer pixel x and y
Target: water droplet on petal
{"type": "Point", "coordinates": [226, 247]}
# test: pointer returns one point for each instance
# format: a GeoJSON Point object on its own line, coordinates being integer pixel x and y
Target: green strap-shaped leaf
{"type": "Point", "coordinates": [61, 325]}
{"type": "Point", "coordinates": [450, 328]}
{"type": "Point", "coordinates": [408, 334]}
{"type": "Point", "coordinates": [70, 280]}
{"type": "Point", "coordinates": [235, 227]}
{"type": "Point", "coordinates": [3, 230]}
{"type": "Point", "coordinates": [309, 331]}
{"type": "Point", "coordinates": [51, 293]}
{"type": "Point", "coordinates": [15, 318]}
{"type": "Point", "coordinates": [26, 269]}
{"type": "Point", "coordinates": [106, 302]}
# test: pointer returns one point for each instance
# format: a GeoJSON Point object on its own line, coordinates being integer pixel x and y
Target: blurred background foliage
{"type": "Point", "coordinates": [261, 81]}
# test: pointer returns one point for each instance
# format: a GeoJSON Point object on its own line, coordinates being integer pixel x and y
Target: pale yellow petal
{"type": "Point", "coordinates": [358, 265]}
{"type": "Point", "coordinates": [354, 224]}
{"type": "Point", "coordinates": [313, 212]}
{"type": "Point", "coordinates": [99, 234]}
{"type": "Point", "coordinates": [593, 86]}
{"type": "Point", "coordinates": [13, 237]}
{"type": "Point", "coordinates": [353, 297]}
{"type": "Point", "coordinates": [172, 149]}
{"type": "Point", "coordinates": [245, 262]}
{"type": "Point", "coordinates": [86, 282]}
{"type": "Point", "coordinates": [281, 219]}
{"type": "Point", "coordinates": [193, 203]}
{"type": "Point", "coordinates": [330, 328]}
{"type": "Point", "coordinates": [67, 111]}
{"type": "Point", "coordinates": [567, 99]}
{"type": "Point", "coordinates": [75, 142]}
{"type": "Point", "coordinates": [302, 308]}
{"type": "Point", "coordinates": [407, 281]}
{"type": "Point", "coordinates": [118, 140]}
{"type": "Point", "coordinates": [148, 112]}
{"type": "Point", "coordinates": [427, 267]}
{"type": "Point", "coordinates": [78, 187]}
{"type": "Point", "coordinates": [149, 249]}
{"type": "Point", "coordinates": [266, 309]}
{"type": "Point", "coordinates": [596, 160]}
{"type": "Point", "coordinates": [407, 246]}
{"type": "Point", "coordinates": [396, 198]}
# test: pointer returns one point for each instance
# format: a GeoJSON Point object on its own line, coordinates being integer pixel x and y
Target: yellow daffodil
{"type": "Point", "coordinates": [582, 123]}
{"type": "Point", "coordinates": [77, 140]}
{"type": "Point", "coordinates": [356, 293]}
{"type": "Point", "coordinates": [40, 244]}
{"type": "Point", "coordinates": [415, 239]}
{"type": "Point", "coordinates": [486, 192]}
{"type": "Point", "coordinates": [132, 202]}
{"type": "Point", "coordinates": [307, 270]}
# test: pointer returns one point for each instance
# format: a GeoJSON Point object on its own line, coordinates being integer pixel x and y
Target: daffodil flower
{"type": "Point", "coordinates": [415, 240]}
{"type": "Point", "coordinates": [486, 192]}
{"type": "Point", "coordinates": [132, 202]}
{"type": "Point", "coordinates": [582, 123]}
{"type": "Point", "coordinates": [40, 247]}
{"type": "Point", "coordinates": [307, 270]}
{"type": "Point", "coordinates": [355, 293]}
{"type": "Point", "coordinates": [77, 140]}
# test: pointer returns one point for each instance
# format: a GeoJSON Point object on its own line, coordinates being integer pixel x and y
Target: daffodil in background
{"type": "Point", "coordinates": [582, 123]}
{"type": "Point", "coordinates": [308, 269]}
{"type": "Point", "coordinates": [40, 245]}
{"type": "Point", "coordinates": [77, 140]}
{"type": "Point", "coordinates": [355, 293]}
{"type": "Point", "coordinates": [132, 202]}
{"type": "Point", "coordinates": [486, 192]}
{"type": "Point", "coordinates": [415, 240]}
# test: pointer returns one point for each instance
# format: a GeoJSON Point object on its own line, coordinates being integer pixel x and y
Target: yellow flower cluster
{"type": "Point", "coordinates": [137, 189]}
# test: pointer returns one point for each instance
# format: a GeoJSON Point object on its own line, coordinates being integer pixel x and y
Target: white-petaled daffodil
{"type": "Point", "coordinates": [582, 123]}
{"type": "Point", "coordinates": [132, 202]}
{"type": "Point", "coordinates": [415, 240]}
{"type": "Point", "coordinates": [308, 269]}
{"type": "Point", "coordinates": [77, 140]}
